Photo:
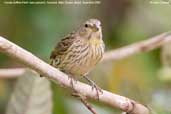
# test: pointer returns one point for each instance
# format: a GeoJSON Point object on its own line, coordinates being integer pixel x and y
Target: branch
{"type": "Point", "coordinates": [15, 72]}
{"type": "Point", "coordinates": [135, 48]}
{"type": "Point", "coordinates": [12, 72]}
{"type": "Point", "coordinates": [117, 54]}
{"type": "Point", "coordinates": [59, 77]}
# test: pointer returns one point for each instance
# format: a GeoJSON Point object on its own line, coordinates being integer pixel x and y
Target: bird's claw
{"type": "Point", "coordinates": [97, 88]}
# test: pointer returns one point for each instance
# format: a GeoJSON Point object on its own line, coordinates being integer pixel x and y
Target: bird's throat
{"type": "Point", "coordinates": [95, 41]}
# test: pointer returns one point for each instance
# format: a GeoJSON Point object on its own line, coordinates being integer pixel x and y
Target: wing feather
{"type": "Point", "coordinates": [62, 47]}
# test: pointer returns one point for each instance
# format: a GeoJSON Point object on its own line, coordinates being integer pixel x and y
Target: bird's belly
{"type": "Point", "coordinates": [82, 69]}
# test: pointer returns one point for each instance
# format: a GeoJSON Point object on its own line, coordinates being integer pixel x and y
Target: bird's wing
{"type": "Point", "coordinates": [62, 46]}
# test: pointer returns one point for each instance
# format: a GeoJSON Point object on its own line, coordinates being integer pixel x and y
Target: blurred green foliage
{"type": "Point", "coordinates": [37, 28]}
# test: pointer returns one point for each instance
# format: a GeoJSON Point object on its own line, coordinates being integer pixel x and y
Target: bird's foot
{"type": "Point", "coordinates": [94, 86]}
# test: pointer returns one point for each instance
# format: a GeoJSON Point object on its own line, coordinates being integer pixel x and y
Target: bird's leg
{"type": "Point", "coordinates": [94, 86]}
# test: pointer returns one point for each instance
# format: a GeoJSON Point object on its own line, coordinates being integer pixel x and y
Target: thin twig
{"type": "Point", "coordinates": [89, 107]}
{"type": "Point", "coordinates": [59, 77]}
{"type": "Point", "coordinates": [84, 101]}
{"type": "Point", "coordinates": [143, 46]}
{"type": "Point", "coordinates": [11, 72]}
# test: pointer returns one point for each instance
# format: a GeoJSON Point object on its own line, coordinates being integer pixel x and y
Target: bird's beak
{"type": "Point", "coordinates": [95, 28]}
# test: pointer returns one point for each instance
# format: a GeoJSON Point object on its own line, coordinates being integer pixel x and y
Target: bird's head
{"type": "Point", "coordinates": [91, 30]}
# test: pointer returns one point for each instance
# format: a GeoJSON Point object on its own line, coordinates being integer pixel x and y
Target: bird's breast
{"type": "Point", "coordinates": [88, 59]}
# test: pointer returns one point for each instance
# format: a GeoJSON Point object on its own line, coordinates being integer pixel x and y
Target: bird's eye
{"type": "Point", "coordinates": [86, 25]}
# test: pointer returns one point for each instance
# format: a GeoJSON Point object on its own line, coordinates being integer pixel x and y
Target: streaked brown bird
{"type": "Point", "coordinates": [79, 52]}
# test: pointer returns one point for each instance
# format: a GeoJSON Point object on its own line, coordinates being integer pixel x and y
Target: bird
{"type": "Point", "coordinates": [80, 51]}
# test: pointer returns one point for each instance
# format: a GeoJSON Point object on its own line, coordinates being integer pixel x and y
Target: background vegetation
{"type": "Point", "coordinates": [37, 28]}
